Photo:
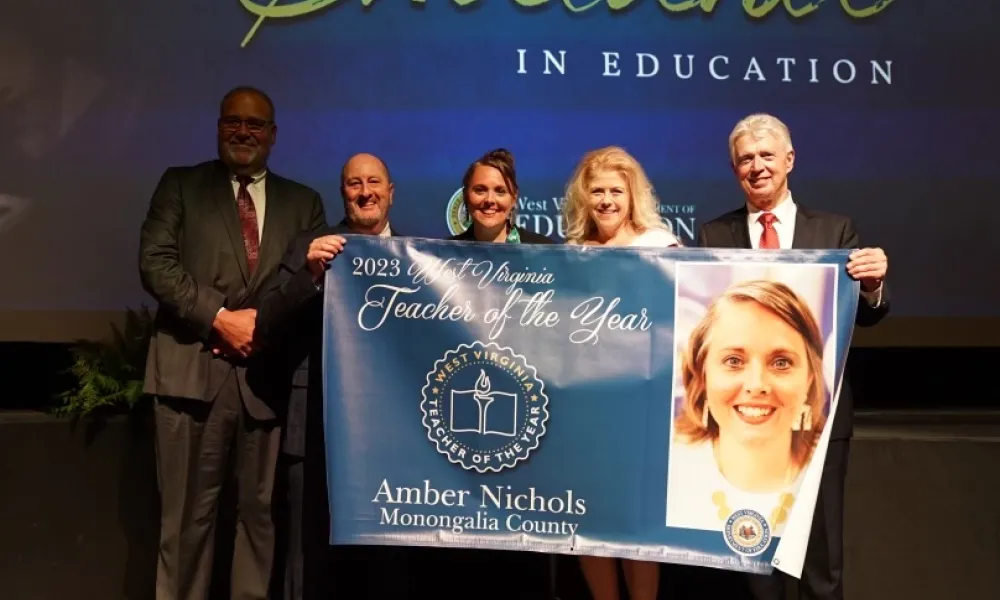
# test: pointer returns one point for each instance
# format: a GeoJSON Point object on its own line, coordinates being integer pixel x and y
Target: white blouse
{"type": "Point", "coordinates": [655, 238]}
{"type": "Point", "coordinates": [652, 238]}
{"type": "Point", "coordinates": [694, 479]}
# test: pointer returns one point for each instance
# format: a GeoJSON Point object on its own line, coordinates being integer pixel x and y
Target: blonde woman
{"type": "Point", "coordinates": [610, 202]}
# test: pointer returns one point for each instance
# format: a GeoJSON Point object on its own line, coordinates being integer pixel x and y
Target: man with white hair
{"type": "Point", "coordinates": [762, 156]}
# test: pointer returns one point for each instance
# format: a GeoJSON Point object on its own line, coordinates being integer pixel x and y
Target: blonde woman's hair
{"type": "Point", "coordinates": [781, 301]}
{"type": "Point", "coordinates": [644, 213]}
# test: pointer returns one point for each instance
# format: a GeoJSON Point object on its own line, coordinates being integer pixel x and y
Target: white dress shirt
{"type": "Point", "coordinates": [784, 225]}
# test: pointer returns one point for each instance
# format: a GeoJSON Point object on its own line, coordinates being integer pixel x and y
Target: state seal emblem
{"type": "Point", "coordinates": [747, 532]}
{"type": "Point", "coordinates": [456, 216]}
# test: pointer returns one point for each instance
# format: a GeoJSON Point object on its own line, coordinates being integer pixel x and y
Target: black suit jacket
{"type": "Point", "coordinates": [290, 331]}
{"type": "Point", "coordinates": [817, 231]}
{"type": "Point", "coordinates": [527, 237]}
{"type": "Point", "coordinates": [193, 262]}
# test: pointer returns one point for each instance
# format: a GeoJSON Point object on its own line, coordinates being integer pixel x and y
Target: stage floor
{"type": "Point", "coordinates": [79, 511]}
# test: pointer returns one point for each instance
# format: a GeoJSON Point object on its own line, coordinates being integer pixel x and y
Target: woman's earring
{"type": "Point", "coordinates": [804, 422]}
{"type": "Point", "coordinates": [704, 417]}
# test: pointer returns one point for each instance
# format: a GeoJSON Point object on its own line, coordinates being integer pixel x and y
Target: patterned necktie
{"type": "Point", "coordinates": [769, 237]}
{"type": "Point", "coordinates": [248, 221]}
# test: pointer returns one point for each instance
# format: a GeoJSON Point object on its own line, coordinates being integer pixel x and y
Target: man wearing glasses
{"type": "Point", "coordinates": [214, 232]}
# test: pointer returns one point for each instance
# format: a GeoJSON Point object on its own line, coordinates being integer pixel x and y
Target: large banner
{"type": "Point", "coordinates": [666, 404]}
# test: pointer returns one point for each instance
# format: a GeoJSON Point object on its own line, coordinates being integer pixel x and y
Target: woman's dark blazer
{"type": "Point", "coordinates": [527, 237]}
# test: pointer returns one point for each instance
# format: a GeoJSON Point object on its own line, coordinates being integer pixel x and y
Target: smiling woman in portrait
{"type": "Point", "coordinates": [753, 407]}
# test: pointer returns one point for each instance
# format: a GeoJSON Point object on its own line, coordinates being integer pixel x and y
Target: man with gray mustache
{"type": "Point", "coordinates": [214, 233]}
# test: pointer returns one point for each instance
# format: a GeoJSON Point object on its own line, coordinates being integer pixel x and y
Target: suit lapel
{"type": "Point", "coordinates": [740, 230]}
{"type": "Point", "coordinates": [804, 237]}
{"type": "Point", "coordinates": [225, 202]}
{"type": "Point", "coordinates": [275, 223]}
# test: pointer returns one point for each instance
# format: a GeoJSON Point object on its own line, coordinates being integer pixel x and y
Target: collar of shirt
{"type": "Point", "coordinates": [254, 179]}
{"type": "Point", "coordinates": [785, 224]}
{"type": "Point", "coordinates": [386, 232]}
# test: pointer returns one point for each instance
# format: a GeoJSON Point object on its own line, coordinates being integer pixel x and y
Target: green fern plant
{"type": "Point", "coordinates": [109, 373]}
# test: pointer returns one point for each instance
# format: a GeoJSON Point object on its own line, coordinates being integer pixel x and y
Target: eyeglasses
{"type": "Point", "coordinates": [253, 125]}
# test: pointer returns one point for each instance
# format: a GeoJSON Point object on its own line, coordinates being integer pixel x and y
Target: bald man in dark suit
{"type": "Point", "coordinates": [289, 327]}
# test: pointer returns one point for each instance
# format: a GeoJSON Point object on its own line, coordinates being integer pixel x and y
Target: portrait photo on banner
{"type": "Point", "coordinates": [754, 364]}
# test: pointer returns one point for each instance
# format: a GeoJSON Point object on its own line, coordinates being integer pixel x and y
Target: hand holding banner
{"type": "Point", "coordinates": [660, 404]}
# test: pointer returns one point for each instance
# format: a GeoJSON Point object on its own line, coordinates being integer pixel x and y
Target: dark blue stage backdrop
{"type": "Point", "coordinates": [892, 104]}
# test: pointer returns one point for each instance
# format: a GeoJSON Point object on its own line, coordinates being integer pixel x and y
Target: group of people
{"type": "Point", "coordinates": [235, 254]}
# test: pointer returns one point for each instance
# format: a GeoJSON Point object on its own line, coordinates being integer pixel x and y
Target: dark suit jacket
{"type": "Point", "coordinates": [813, 230]}
{"type": "Point", "coordinates": [289, 329]}
{"type": "Point", "coordinates": [527, 237]}
{"type": "Point", "coordinates": [193, 262]}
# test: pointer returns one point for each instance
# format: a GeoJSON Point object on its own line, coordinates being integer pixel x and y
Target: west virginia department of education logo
{"type": "Point", "coordinates": [484, 407]}
{"type": "Point", "coordinates": [456, 215]}
{"type": "Point", "coordinates": [747, 532]}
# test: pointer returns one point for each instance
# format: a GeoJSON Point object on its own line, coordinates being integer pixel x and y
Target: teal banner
{"type": "Point", "coordinates": [664, 404]}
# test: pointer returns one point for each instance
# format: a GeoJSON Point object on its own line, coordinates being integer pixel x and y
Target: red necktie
{"type": "Point", "coordinates": [769, 237]}
{"type": "Point", "coordinates": [248, 222]}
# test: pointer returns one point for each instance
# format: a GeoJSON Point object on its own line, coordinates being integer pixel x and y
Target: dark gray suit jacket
{"type": "Point", "coordinates": [193, 262]}
{"type": "Point", "coordinates": [290, 330]}
{"type": "Point", "coordinates": [814, 230]}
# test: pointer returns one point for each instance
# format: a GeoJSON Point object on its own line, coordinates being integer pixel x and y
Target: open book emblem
{"type": "Point", "coordinates": [484, 407]}
{"type": "Point", "coordinates": [483, 410]}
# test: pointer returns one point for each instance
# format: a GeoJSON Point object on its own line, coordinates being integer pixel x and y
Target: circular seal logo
{"type": "Point", "coordinates": [747, 532]}
{"type": "Point", "coordinates": [484, 407]}
{"type": "Point", "coordinates": [456, 215]}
